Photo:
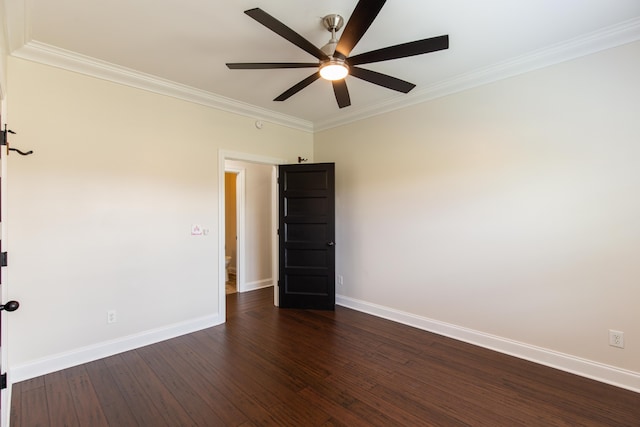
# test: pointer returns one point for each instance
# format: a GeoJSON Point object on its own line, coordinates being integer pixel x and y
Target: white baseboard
{"type": "Point", "coordinates": [6, 401]}
{"type": "Point", "coordinates": [258, 284]}
{"type": "Point", "coordinates": [586, 368]}
{"type": "Point", "coordinates": [107, 348]}
{"type": "Point", "coordinates": [604, 373]}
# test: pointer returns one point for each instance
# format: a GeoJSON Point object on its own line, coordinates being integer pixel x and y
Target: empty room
{"type": "Point", "coordinates": [447, 231]}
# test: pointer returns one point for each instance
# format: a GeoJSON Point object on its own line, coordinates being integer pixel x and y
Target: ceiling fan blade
{"type": "Point", "coordinates": [404, 50]}
{"type": "Point", "coordinates": [298, 87]}
{"type": "Point", "coordinates": [342, 93]}
{"type": "Point", "coordinates": [282, 30]}
{"type": "Point", "coordinates": [381, 79]}
{"type": "Point", "coordinates": [269, 65]}
{"type": "Point", "coordinates": [363, 15]}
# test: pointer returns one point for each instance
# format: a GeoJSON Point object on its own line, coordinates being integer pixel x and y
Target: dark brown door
{"type": "Point", "coordinates": [307, 236]}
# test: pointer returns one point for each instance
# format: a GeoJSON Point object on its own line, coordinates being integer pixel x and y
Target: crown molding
{"type": "Point", "coordinates": [72, 61]}
{"type": "Point", "coordinates": [606, 38]}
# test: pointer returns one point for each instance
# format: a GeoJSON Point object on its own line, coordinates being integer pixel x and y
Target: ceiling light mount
{"type": "Point", "coordinates": [333, 22]}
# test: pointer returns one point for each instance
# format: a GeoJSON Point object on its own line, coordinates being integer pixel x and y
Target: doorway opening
{"type": "Point", "coordinates": [256, 240]}
{"type": "Point", "coordinates": [233, 193]}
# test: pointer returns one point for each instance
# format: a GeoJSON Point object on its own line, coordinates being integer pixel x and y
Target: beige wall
{"type": "Point", "coordinates": [100, 216]}
{"type": "Point", "coordinates": [510, 209]}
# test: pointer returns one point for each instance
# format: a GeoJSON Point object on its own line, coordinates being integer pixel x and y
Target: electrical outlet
{"type": "Point", "coordinates": [616, 338]}
{"type": "Point", "coordinates": [340, 280]}
{"type": "Point", "coordinates": [111, 316]}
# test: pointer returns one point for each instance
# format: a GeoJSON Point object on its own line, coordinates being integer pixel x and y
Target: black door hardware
{"type": "Point", "coordinates": [10, 306]}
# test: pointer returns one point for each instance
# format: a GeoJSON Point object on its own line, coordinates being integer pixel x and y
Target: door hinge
{"type": "Point", "coordinates": [3, 381]}
{"type": "Point", "coordinates": [3, 140]}
{"type": "Point", "coordinates": [3, 259]}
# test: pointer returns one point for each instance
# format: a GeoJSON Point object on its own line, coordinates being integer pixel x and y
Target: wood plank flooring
{"type": "Point", "coordinates": [272, 367]}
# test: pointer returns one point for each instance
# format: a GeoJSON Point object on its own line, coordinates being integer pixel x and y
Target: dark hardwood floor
{"type": "Point", "coordinates": [274, 367]}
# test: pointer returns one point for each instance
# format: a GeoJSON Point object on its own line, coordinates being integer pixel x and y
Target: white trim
{"type": "Point", "coordinates": [109, 348]}
{"type": "Point", "coordinates": [605, 38]}
{"type": "Point", "coordinates": [72, 61]}
{"type": "Point", "coordinates": [5, 395]}
{"type": "Point", "coordinates": [586, 368]}
{"type": "Point", "coordinates": [222, 294]}
{"type": "Point", "coordinates": [275, 242]}
{"type": "Point", "coordinates": [6, 416]}
{"type": "Point", "coordinates": [249, 157]}
{"type": "Point", "coordinates": [255, 285]}
{"type": "Point", "coordinates": [244, 157]}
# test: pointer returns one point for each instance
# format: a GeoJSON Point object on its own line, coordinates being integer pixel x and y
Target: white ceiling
{"type": "Point", "coordinates": [180, 47]}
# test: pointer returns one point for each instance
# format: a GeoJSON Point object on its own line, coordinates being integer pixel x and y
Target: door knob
{"type": "Point", "coordinates": [10, 306]}
{"type": "Point", "coordinates": [330, 243]}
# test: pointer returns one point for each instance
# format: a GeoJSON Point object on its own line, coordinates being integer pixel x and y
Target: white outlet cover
{"type": "Point", "coordinates": [616, 338]}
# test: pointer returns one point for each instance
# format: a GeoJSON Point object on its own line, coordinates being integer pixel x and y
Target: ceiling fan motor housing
{"type": "Point", "coordinates": [332, 23]}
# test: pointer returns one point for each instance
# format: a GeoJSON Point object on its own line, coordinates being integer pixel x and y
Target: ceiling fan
{"type": "Point", "coordinates": [334, 62]}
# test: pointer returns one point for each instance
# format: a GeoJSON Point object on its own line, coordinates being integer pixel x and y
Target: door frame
{"type": "Point", "coordinates": [224, 155]}
{"type": "Point", "coordinates": [5, 395]}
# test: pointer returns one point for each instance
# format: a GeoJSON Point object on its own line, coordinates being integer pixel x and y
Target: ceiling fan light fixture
{"type": "Point", "coordinates": [334, 69]}
{"type": "Point", "coordinates": [334, 58]}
